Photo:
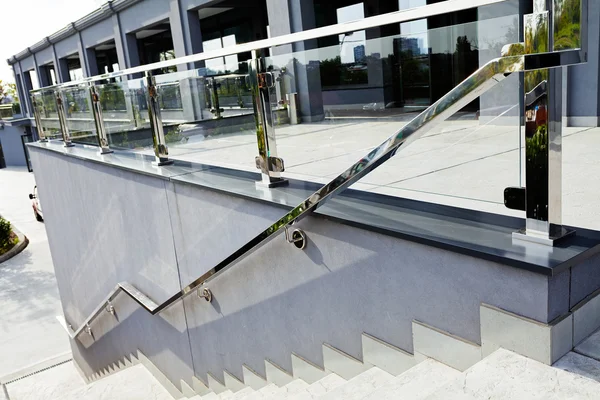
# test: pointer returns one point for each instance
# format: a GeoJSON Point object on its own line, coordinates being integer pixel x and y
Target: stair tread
{"type": "Point", "coordinates": [359, 386]}
{"type": "Point", "coordinates": [262, 393]}
{"type": "Point", "coordinates": [285, 392]}
{"type": "Point", "coordinates": [242, 393]}
{"type": "Point", "coordinates": [418, 382]}
{"type": "Point", "coordinates": [320, 387]}
{"type": "Point", "coordinates": [226, 395]}
{"type": "Point", "coordinates": [509, 376]}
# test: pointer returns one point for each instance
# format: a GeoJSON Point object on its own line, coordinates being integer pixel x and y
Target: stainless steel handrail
{"type": "Point", "coordinates": [412, 14]}
{"type": "Point", "coordinates": [479, 82]}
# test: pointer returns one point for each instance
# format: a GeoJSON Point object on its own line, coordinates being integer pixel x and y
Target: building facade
{"type": "Point", "coordinates": [406, 66]}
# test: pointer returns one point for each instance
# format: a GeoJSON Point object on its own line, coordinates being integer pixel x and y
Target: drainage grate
{"type": "Point", "coordinates": [34, 373]}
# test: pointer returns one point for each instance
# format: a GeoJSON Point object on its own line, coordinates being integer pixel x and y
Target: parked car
{"type": "Point", "coordinates": [35, 203]}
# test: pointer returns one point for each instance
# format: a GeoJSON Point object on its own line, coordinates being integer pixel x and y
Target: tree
{"type": "Point", "coordinates": [8, 92]}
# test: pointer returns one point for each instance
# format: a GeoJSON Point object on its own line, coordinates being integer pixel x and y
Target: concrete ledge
{"type": "Point", "coordinates": [232, 382]}
{"type": "Point", "coordinates": [545, 343]}
{"type": "Point", "coordinates": [186, 389]}
{"type": "Point", "coordinates": [215, 385]}
{"type": "Point", "coordinates": [276, 374]}
{"type": "Point", "coordinates": [19, 247]}
{"type": "Point", "coordinates": [444, 347]}
{"type": "Point", "coordinates": [253, 378]}
{"type": "Point", "coordinates": [307, 371]}
{"type": "Point", "coordinates": [341, 363]}
{"type": "Point", "coordinates": [389, 358]}
{"type": "Point", "coordinates": [160, 377]}
{"type": "Point", "coordinates": [586, 317]}
{"type": "Point", "coordinates": [200, 387]}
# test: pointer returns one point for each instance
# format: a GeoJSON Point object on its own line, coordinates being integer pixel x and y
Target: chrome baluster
{"type": "Point", "coordinates": [161, 151]}
{"type": "Point", "coordinates": [62, 118]}
{"type": "Point", "coordinates": [260, 81]}
{"type": "Point", "coordinates": [99, 121]}
{"type": "Point", "coordinates": [38, 120]}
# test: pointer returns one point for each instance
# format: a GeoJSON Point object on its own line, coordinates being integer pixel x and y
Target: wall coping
{"type": "Point", "coordinates": [474, 233]}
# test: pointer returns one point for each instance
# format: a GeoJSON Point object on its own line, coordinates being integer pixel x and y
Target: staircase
{"type": "Point", "coordinates": [502, 375]}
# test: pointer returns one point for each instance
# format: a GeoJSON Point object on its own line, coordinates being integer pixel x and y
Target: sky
{"type": "Point", "coordinates": [26, 22]}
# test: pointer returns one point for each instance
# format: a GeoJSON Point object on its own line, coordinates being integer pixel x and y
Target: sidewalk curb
{"type": "Point", "coordinates": [19, 247]}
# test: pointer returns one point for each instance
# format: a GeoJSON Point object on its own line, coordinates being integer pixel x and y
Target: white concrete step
{"type": "Point", "coordinates": [64, 383]}
{"type": "Point", "coordinates": [260, 394]}
{"type": "Point", "coordinates": [508, 376]}
{"type": "Point", "coordinates": [242, 393]}
{"type": "Point", "coordinates": [319, 388]}
{"type": "Point", "coordinates": [288, 390]}
{"type": "Point", "coordinates": [416, 383]}
{"type": "Point", "coordinates": [359, 386]}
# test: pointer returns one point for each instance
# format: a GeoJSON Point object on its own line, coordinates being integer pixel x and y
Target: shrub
{"type": "Point", "coordinates": [7, 238]}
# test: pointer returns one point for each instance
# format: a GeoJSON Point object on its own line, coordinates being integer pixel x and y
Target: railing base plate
{"type": "Point", "coordinates": [556, 236]}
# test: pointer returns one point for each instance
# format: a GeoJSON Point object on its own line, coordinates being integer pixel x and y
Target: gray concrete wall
{"type": "Point", "coordinates": [348, 281]}
{"type": "Point", "coordinates": [67, 46]}
{"type": "Point", "coordinates": [45, 56]}
{"type": "Point", "coordinates": [107, 225]}
{"type": "Point", "coordinates": [98, 33]}
{"type": "Point", "coordinates": [28, 63]}
{"type": "Point", "coordinates": [99, 237]}
{"type": "Point", "coordinates": [143, 14]}
{"type": "Point", "coordinates": [12, 146]}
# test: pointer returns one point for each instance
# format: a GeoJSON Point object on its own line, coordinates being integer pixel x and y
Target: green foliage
{"type": "Point", "coordinates": [567, 29]}
{"type": "Point", "coordinates": [112, 97]}
{"type": "Point", "coordinates": [7, 238]}
{"type": "Point", "coordinates": [534, 78]}
{"type": "Point", "coordinates": [536, 35]}
{"type": "Point", "coordinates": [334, 73]}
{"type": "Point", "coordinates": [537, 146]}
{"type": "Point", "coordinates": [8, 90]}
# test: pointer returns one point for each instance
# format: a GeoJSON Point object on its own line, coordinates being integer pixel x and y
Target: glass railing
{"type": "Point", "coordinates": [315, 102]}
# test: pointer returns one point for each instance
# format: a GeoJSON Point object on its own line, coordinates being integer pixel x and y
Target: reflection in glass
{"type": "Point", "coordinates": [567, 24]}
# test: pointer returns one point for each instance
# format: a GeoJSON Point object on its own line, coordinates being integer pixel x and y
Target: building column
{"type": "Point", "coordinates": [42, 75]}
{"type": "Point", "coordinates": [90, 55]}
{"type": "Point", "coordinates": [61, 70]}
{"type": "Point", "coordinates": [289, 17]}
{"type": "Point", "coordinates": [20, 89]}
{"type": "Point", "coordinates": [126, 44]}
{"type": "Point", "coordinates": [374, 49]}
{"type": "Point", "coordinates": [27, 87]}
{"type": "Point", "coordinates": [187, 40]}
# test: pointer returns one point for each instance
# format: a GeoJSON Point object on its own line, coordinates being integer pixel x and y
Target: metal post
{"type": "Point", "coordinates": [214, 97]}
{"type": "Point", "coordinates": [543, 124]}
{"type": "Point", "coordinates": [158, 135]}
{"type": "Point", "coordinates": [38, 121]}
{"type": "Point", "coordinates": [99, 121]}
{"type": "Point", "coordinates": [62, 118]}
{"type": "Point", "coordinates": [260, 81]}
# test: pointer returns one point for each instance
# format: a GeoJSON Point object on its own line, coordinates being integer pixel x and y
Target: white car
{"type": "Point", "coordinates": [35, 203]}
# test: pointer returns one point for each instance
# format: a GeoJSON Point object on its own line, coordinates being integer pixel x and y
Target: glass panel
{"type": "Point", "coordinates": [125, 113]}
{"type": "Point", "coordinates": [80, 119]}
{"type": "Point", "coordinates": [46, 103]}
{"type": "Point", "coordinates": [349, 103]}
{"type": "Point", "coordinates": [208, 114]}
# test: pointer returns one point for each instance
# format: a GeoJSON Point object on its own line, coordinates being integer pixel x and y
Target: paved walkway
{"type": "Point", "coordinates": [29, 300]}
{"type": "Point", "coordinates": [460, 162]}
